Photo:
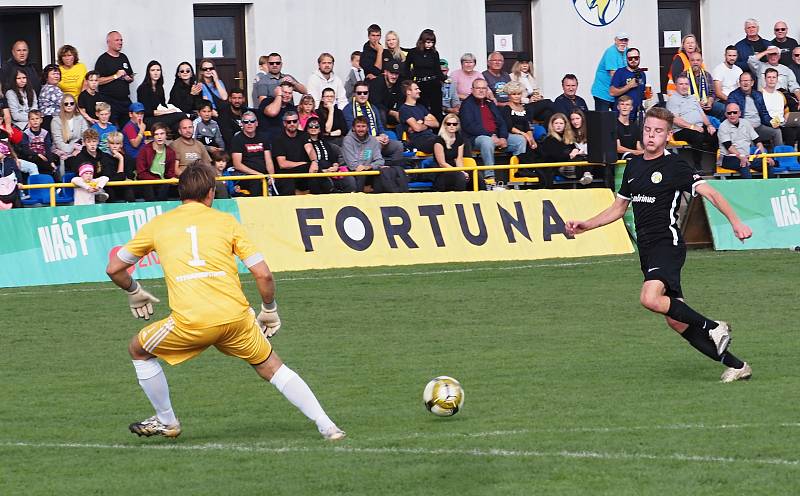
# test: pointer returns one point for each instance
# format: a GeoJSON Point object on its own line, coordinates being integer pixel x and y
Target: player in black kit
{"type": "Point", "coordinates": [654, 183]}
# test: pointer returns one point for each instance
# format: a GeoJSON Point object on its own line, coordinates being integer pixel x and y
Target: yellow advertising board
{"type": "Point", "coordinates": [358, 230]}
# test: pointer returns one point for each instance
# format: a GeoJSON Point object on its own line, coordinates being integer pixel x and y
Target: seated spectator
{"type": "Point", "coordinates": [213, 89]}
{"type": "Point", "coordinates": [230, 115]}
{"type": "Point", "coordinates": [305, 110]}
{"type": "Point", "coordinates": [89, 189]}
{"type": "Point", "coordinates": [220, 160]}
{"type": "Point", "coordinates": [294, 154]}
{"type": "Point", "coordinates": [250, 151]}
{"type": "Point", "coordinates": [518, 121]}
{"type": "Point", "coordinates": [133, 131]}
{"type": "Point", "coordinates": [50, 95]}
{"type": "Point", "coordinates": [751, 44]}
{"type": "Point", "coordinates": [9, 191]}
{"type": "Point", "coordinates": [448, 151]}
{"type": "Point", "coordinates": [702, 88]}
{"type": "Point", "coordinates": [67, 129]}
{"type": "Point", "coordinates": [736, 136]}
{"type": "Point", "coordinates": [386, 94]}
{"type": "Point", "coordinates": [188, 151]}
{"type": "Point", "coordinates": [569, 100]}
{"type": "Point", "coordinates": [372, 56]}
{"type": "Point", "coordinates": [629, 133]}
{"type": "Point", "coordinates": [156, 161]}
{"type": "Point", "coordinates": [103, 125]}
{"type": "Point", "coordinates": [272, 109]}
{"type": "Point", "coordinates": [786, 80]}
{"type": "Point", "coordinates": [329, 157]}
{"type": "Point", "coordinates": [680, 62]}
{"type": "Point", "coordinates": [394, 53]}
{"type": "Point", "coordinates": [726, 75]}
{"type": "Point", "coordinates": [270, 76]}
{"type": "Point", "coordinates": [206, 129]}
{"type": "Point", "coordinates": [784, 42]}
{"type": "Point", "coordinates": [450, 100]}
{"type": "Point", "coordinates": [6, 125]}
{"type": "Point", "coordinates": [691, 123]}
{"type": "Point", "coordinates": [19, 61]}
{"type": "Point", "coordinates": [324, 77]}
{"type": "Point", "coordinates": [392, 150]}
{"type": "Point", "coordinates": [186, 92]}
{"type": "Point", "coordinates": [559, 146]}
{"type": "Point", "coordinates": [117, 167]}
{"type": "Point", "coordinates": [334, 125]}
{"type": "Point", "coordinates": [613, 59]}
{"type": "Point", "coordinates": [89, 98]}
{"type": "Point", "coordinates": [89, 152]}
{"type": "Point", "coordinates": [629, 80]}
{"type": "Point", "coordinates": [21, 99]}
{"type": "Point", "coordinates": [777, 108]}
{"type": "Point", "coordinates": [417, 119]}
{"type": "Point", "coordinates": [73, 71]}
{"type": "Point", "coordinates": [496, 78]}
{"type": "Point", "coordinates": [37, 144]}
{"type": "Point", "coordinates": [150, 94]}
{"type": "Point", "coordinates": [794, 65]}
{"type": "Point", "coordinates": [485, 128]}
{"type": "Point", "coordinates": [355, 74]}
{"type": "Point", "coordinates": [577, 120]}
{"type": "Point", "coordinates": [752, 108]}
{"type": "Point", "coordinates": [463, 78]}
{"type": "Point", "coordinates": [362, 152]}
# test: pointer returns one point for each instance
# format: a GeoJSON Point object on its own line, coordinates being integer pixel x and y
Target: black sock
{"type": "Point", "coordinates": [699, 339]}
{"type": "Point", "coordinates": [682, 312]}
{"type": "Point", "coordinates": [730, 360]}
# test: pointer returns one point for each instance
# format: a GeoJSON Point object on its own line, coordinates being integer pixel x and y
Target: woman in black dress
{"type": "Point", "coordinates": [424, 64]}
{"type": "Point", "coordinates": [151, 94]}
{"type": "Point", "coordinates": [448, 151]}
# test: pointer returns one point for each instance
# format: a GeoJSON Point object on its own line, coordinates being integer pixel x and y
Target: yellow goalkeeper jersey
{"type": "Point", "coordinates": [196, 246]}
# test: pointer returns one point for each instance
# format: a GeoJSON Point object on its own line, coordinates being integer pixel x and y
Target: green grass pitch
{"type": "Point", "coordinates": [571, 387]}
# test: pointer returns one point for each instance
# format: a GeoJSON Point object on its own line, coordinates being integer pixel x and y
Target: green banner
{"type": "Point", "coordinates": [770, 207]}
{"type": "Point", "coordinates": [56, 245]}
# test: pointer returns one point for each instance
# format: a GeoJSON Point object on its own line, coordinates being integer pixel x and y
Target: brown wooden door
{"type": "Point", "coordinates": [677, 16]}
{"type": "Point", "coordinates": [219, 35]}
{"type": "Point", "coordinates": [509, 17]}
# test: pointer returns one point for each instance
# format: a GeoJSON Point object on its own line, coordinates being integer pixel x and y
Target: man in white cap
{"type": "Point", "coordinates": [786, 78]}
{"type": "Point", "coordinates": [613, 59]}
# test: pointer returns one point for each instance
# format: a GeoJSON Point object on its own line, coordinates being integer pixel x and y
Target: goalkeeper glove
{"type": "Point", "coordinates": [141, 302]}
{"type": "Point", "coordinates": [268, 319]}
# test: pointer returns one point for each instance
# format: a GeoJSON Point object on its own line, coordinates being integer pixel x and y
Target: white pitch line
{"type": "Point", "coordinates": [488, 453]}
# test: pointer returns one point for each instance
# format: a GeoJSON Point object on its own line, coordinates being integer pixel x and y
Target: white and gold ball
{"type": "Point", "coordinates": [443, 396]}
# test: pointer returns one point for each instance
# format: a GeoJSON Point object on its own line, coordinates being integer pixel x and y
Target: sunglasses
{"type": "Point", "coordinates": [451, 123]}
{"type": "Point", "coordinates": [69, 104]}
{"type": "Point", "coordinates": [780, 29]}
{"type": "Point", "coordinates": [633, 58]}
{"type": "Point", "coordinates": [362, 92]}
{"type": "Point", "coordinates": [185, 71]}
{"type": "Point", "coordinates": [208, 68]}
{"type": "Point", "coordinates": [275, 63]}
{"type": "Point", "coordinates": [732, 112]}
{"type": "Point", "coordinates": [290, 121]}
{"type": "Point", "coordinates": [312, 126]}
{"type": "Point", "coordinates": [249, 121]}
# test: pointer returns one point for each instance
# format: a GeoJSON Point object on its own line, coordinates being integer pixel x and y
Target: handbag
{"type": "Point", "coordinates": [9, 192]}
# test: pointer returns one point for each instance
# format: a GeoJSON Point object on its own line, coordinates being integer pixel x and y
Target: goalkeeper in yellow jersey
{"type": "Point", "coordinates": [196, 246]}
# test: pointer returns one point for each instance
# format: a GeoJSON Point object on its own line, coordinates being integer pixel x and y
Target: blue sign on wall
{"type": "Point", "coordinates": [598, 12]}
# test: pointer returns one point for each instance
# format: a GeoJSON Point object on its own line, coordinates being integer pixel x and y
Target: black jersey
{"type": "Point", "coordinates": [654, 187]}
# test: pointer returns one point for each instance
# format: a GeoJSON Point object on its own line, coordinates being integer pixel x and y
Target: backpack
{"type": "Point", "coordinates": [392, 179]}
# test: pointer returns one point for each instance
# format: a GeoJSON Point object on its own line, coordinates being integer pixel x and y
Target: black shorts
{"type": "Point", "coordinates": [664, 263]}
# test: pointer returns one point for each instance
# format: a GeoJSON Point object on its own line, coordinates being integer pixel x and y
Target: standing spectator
{"type": "Point", "coordinates": [680, 62]}
{"type": "Point", "coordinates": [67, 129]}
{"type": "Point", "coordinates": [116, 75]}
{"type": "Point", "coordinates": [496, 78]}
{"type": "Point", "coordinates": [37, 144]}
{"type": "Point", "coordinates": [752, 108]}
{"type": "Point", "coordinates": [19, 61]}
{"type": "Point", "coordinates": [50, 95]}
{"type": "Point", "coordinates": [629, 133]}
{"type": "Point", "coordinates": [736, 136]}
{"type": "Point", "coordinates": [213, 87]}
{"type": "Point", "coordinates": [188, 151]}
{"type": "Point", "coordinates": [424, 65]}
{"type": "Point", "coordinates": [448, 151]}
{"type": "Point", "coordinates": [133, 131]}
{"type": "Point", "coordinates": [450, 100]}
{"type": "Point", "coordinates": [305, 110]}
{"type": "Point", "coordinates": [751, 44]}
{"type": "Point", "coordinates": [372, 53]}
{"type": "Point", "coordinates": [294, 154]}
{"type": "Point", "coordinates": [73, 71]}
{"type": "Point", "coordinates": [702, 88]}
{"type": "Point", "coordinates": [355, 74]}
{"type": "Point", "coordinates": [569, 99]}
{"type": "Point", "coordinates": [417, 119]}
{"type": "Point", "coordinates": [726, 74]}
{"type": "Point", "coordinates": [230, 115]}
{"type": "Point", "coordinates": [629, 80]}
{"type": "Point", "coordinates": [324, 77]}
{"type": "Point", "coordinates": [784, 42]}
{"type": "Point", "coordinates": [21, 99]}
{"type": "Point", "coordinates": [522, 72]}
{"type": "Point", "coordinates": [206, 129]}
{"type": "Point", "coordinates": [103, 125]}
{"type": "Point", "coordinates": [89, 98]}
{"type": "Point", "coordinates": [150, 94]}
{"type": "Point", "coordinates": [250, 152]}
{"type": "Point", "coordinates": [691, 123]}
{"type": "Point", "coordinates": [156, 161]}
{"type": "Point", "coordinates": [613, 59]}
{"type": "Point", "coordinates": [395, 53]}
{"type": "Point", "coordinates": [485, 128]}
{"type": "Point", "coordinates": [559, 146]}
{"type": "Point", "coordinates": [329, 157]}
{"type": "Point", "coordinates": [392, 150]}
{"type": "Point", "coordinates": [463, 78]}
{"type": "Point", "coordinates": [186, 92]}
{"type": "Point", "coordinates": [334, 125]}
{"type": "Point", "coordinates": [385, 93]}
{"type": "Point", "coordinates": [271, 110]}
{"type": "Point", "coordinates": [270, 77]}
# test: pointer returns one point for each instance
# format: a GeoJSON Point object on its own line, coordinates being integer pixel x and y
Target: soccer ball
{"type": "Point", "coordinates": [443, 396]}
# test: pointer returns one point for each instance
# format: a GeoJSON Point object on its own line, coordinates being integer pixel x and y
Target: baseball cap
{"type": "Point", "coordinates": [523, 57]}
{"type": "Point", "coordinates": [392, 66]}
{"type": "Point", "coordinates": [443, 63]}
{"type": "Point", "coordinates": [136, 107]}
{"type": "Point", "coordinates": [622, 35]}
{"type": "Point", "coordinates": [773, 49]}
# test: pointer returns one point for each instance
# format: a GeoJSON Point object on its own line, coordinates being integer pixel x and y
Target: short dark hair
{"type": "Point", "coordinates": [328, 90]}
{"type": "Point", "coordinates": [569, 76]}
{"type": "Point", "coordinates": [205, 104]}
{"type": "Point", "coordinates": [661, 113]}
{"type": "Point", "coordinates": [360, 119]}
{"type": "Point", "coordinates": [731, 47]}
{"type": "Point", "coordinates": [274, 54]}
{"type": "Point", "coordinates": [355, 54]}
{"type": "Point", "coordinates": [373, 28]}
{"type": "Point", "coordinates": [219, 156]}
{"type": "Point", "coordinates": [405, 85]}
{"type": "Point", "coordinates": [158, 126]}
{"type": "Point", "coordinates": [771, 69]}
{"type": "Point", "coordinates": [92, 73]}
{"type": "Point", "coordinates": [196, 181]}
{"type": "Point", "coordinates": [235, 90]}
{"type": "Point", "coordinates": [360, 84]}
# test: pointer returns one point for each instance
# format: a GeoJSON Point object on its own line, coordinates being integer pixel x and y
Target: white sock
{"type": "Point", "coordinates": [154, 383]}
{"type": "Point", "coordinates": [295, 389]}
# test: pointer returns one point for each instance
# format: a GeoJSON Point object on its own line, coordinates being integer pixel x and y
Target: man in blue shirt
{"type": "Point", "coordinates": [613, 59]}
{"type": "Point", "coordinates": [630, 81]}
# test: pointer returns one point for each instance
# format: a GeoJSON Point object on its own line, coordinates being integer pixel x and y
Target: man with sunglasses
{"type": "Point", "coordinates": [794, 65]}
{"type": "Point", "coordinates": [295, 154]}
{"type": "Point", "coordinates": [631, 81]}
{"type": "Point", "coordinates": [270, 76]}
{"type": "Point", "coordinates": [250, 153]}
{"type": "Point", "coordinates": [736, 136]}
{"type": "Point", "coordinates": [392, 150]}
{"type": "Point", "coordinates": [784, 42]}
{"type": "Point", "coordinates": [272, 109]}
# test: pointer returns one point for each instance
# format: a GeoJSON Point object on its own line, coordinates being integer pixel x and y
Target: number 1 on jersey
{"type": "Point", "coordinates": [195, 261]}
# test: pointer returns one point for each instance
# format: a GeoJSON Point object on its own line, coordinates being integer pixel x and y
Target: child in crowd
{"type": "Point", "coordinates": [220, 160]}
{"type": "Point", "coordinates": [133, 130]}
{"type": "Point", "coordinates": [103, 125]}
{"type": "Point", "coordinates": [356, 74]}
{"type": "Point", "coordinates": [9, 178]}
{"type": "Point", "coordinates": [87, 100]}
{"type": "Point", "coordinates": [206, 129]}
{"type": "Point", "coordinates": [87, 188]}
{"type": "Point", "coordinates": [37, 144]}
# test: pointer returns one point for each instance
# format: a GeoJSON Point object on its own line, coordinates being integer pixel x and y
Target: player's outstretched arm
{"type": "Point", "coordinates": [740, 230]}
{"type": "Point", "coordinates": [140, 301]}
{"type": "Point", "coordinates": [607, 216]}
{"type": "Point", "coordinates": [268, 318]}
